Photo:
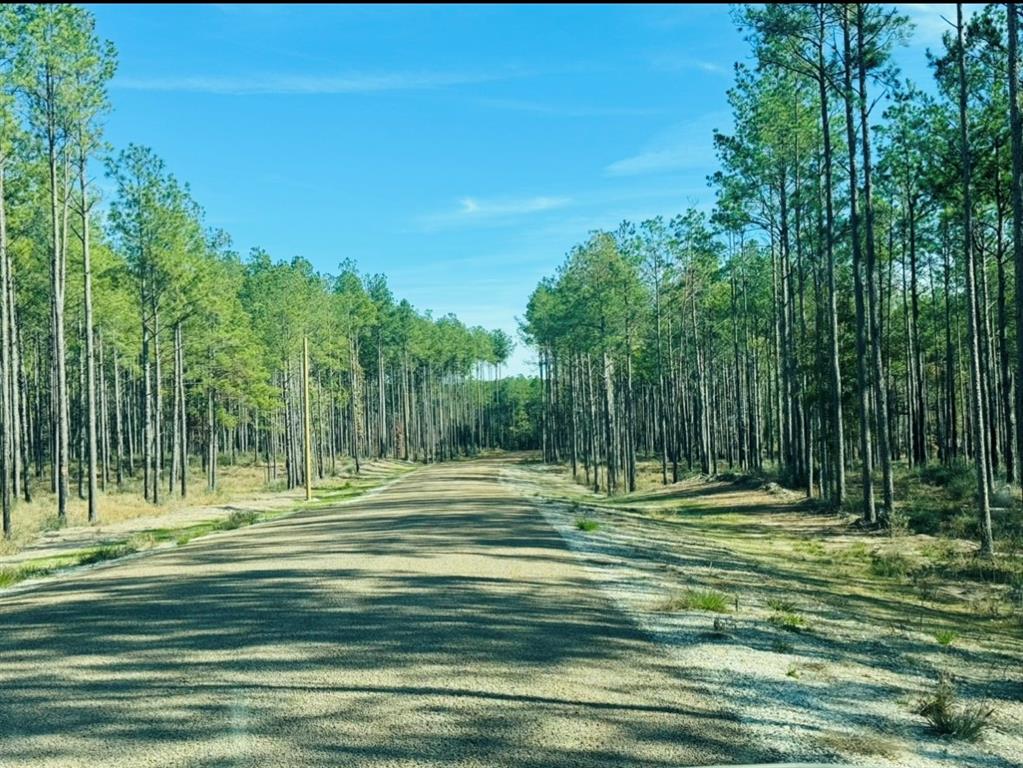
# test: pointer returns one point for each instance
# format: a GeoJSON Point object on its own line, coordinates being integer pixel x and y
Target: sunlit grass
{"type": "Point", "coordinates": [161, 537]}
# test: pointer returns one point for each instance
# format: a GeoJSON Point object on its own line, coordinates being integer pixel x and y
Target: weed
{"type": "Point", "coordinates": [696, 600]}
{"type": "Point", "coordinates": [781, 604]}
{"type": "Point", "coordinates": [106, 552]}
{"type": "Point", "coordinates": [940, 709]}
{"type": "Point", "coordinates": [945, 637]}
{"type": "Point", "coordinates": [586, 524]}
{"type": "Point", "coordinates": [890, 564]}
{"type": "Point", "coordinates": [236, 519]}
{"type": "Point", "coordinates": [793, 622]}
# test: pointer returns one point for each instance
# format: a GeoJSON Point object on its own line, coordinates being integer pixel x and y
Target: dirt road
{"type": "Point", "coordinates": [440, 622]}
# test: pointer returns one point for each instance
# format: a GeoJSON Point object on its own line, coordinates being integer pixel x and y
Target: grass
{"type": "Point", "coordinates": [175, 536]}
{"type": "Point", "coordinates": [940, 708]}
{"type": "Point", "coordinates": [781, 604]}
{"type": "Point", "coordinates": [697, 600]}
{"type": "Point", "coordinates": [945, 637]}
{"type": "Point", "coordinates": [789, 621]}
{"type": "Point", "coordinates": [890, 564]}
{"type": "Point", "coordinates": [900, 598]}
{"type": "Point", "coordinates": [38, 568]}
{"type": "Point", "coordinates": [587, 524]}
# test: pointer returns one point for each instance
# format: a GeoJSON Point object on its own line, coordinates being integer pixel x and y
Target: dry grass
{"type": "Point", "coordinates": [30, 519]}
{"type": "Point", "coordinates": [241, 484]}
{"type": "Point", "coordinates": [235, 483]}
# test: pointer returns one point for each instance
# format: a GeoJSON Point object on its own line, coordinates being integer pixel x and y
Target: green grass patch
{"type": "Point", "coordinates": [106, 552]}
{"type": "Point", "coordinates": [945, 637]}
{"type": "Point", "coordinates": [587, 524]}
{"type": "Point", "coordinates": [697, 600]}
{"type": "Point", "coordinates": [792, 622]}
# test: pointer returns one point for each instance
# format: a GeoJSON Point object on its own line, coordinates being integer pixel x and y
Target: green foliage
{"type": "Point", "coordinates": [587, 524]}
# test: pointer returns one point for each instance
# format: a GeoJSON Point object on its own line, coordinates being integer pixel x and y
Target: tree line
{"type": "Point", "coordinates": [852, 303]}
{"type": "Point", "coordinates": [136, 345]}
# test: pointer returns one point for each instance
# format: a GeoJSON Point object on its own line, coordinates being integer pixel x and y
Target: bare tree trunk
{"type": "Point", "coordinates": [879, 379]}
{"type": "Point", "coordinates": [7, 407]}
{"type": "Point", "coordinates": [1016, 133]}
{"type": "Point", "coordinates": [90, 352]}
{"type": "Point", "coordinates": [866, 441]}
{"type": "Point", "coordinates": [977, 420]}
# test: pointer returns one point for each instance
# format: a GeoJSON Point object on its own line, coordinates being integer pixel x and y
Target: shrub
{"type": "Point", "coordinates": [586, 524]}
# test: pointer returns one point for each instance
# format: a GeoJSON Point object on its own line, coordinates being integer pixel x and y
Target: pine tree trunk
{"type": "Point", "coordinates": [976, 409]}
{"type": "Point", "coordinates": [880, 382]}
{"type": "Point", "coordinates": [866, 440]}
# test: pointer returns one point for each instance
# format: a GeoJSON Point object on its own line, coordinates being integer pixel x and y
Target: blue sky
{"type": "Point", "coordinates": [459, 150]}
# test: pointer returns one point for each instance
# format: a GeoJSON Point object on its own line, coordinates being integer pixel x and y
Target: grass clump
{"type": "Point", "coordinates": [587, 524]}
{"type": "Point", "coordinates": [789, 621]}
{"type": "Point", "coordinates": [945, 637]}
{"type": "Point", "coordinates": [890, 564]}
{"type": "Point", "coordinates": [697, 600]}
{"type": "Point", "coordinates": [236, 519]}
{"type": "Point", "coordinates": [781, 604]}
{"type": "Point", "coordinates": [107, 552]}
{"type": "Point", "coordinates": [965, 722]}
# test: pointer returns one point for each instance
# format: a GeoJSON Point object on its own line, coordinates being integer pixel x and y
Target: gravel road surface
{"type": "Point", "coordinates": [439, 622]}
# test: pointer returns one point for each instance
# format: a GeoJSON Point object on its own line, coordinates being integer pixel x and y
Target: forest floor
{"type": "Point", "coordinates": [822, 639]}
{"type": "Point", "coordinates": [129, 525]}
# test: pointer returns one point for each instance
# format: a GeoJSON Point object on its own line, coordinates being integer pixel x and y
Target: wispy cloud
{"type": "Point", "coordinates": [932, 19]}
{"type": "Point", "coordinates": [475, 208]}
{"type": "Point", "coordinates": [687, 147]}
{"type": "Point", "coordinates": [568, 110]}
{"type": "Point", "coordinates": [675, 62]}
{"type": "Point", "coordinates": [471, 210]}
{"type": "Point", "coordinates": [270, 83]}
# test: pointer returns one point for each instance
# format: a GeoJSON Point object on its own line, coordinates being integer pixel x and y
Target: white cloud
{"type": "Point", "coordinates": [675, 62]}
{"type": "Point", "coordinates": [931, 20]}
{"type": "Point", "coordinates": [470, 206]}
{"type": "Point", "coordinates": [687, 147]}
{"type": "Point", "coordinates": [566, 110]}
{"type": "Point", "coordinates": [472, 210]}
{"type": "Point", "coordinates": [260, 84]}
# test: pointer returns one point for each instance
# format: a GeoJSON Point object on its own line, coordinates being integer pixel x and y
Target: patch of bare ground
{"type": "Point", "coordinates": [823, 637]}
